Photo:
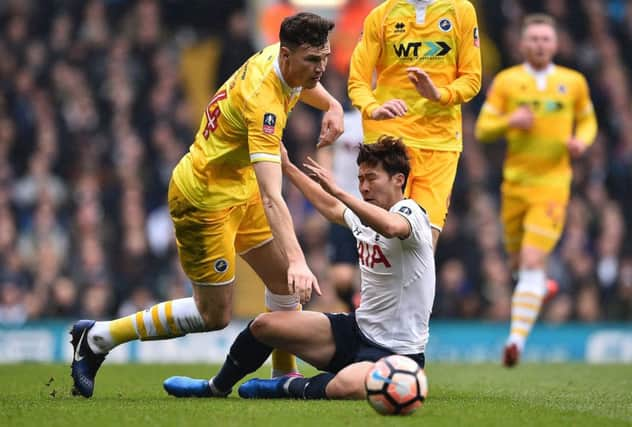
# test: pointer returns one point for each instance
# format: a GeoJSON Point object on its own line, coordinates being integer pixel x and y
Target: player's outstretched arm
{"type": "Point", "coordinates": [384, 222]}
{"type": "Point", "coordinates": [333, 120]}
{"type": "Point", "coordinates": [301, 280]}
{"type": "Point", "coordinates": [327, 205]}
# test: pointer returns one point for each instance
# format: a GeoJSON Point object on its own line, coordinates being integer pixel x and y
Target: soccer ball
{"type": "Point", "coordinates": [396, 385]}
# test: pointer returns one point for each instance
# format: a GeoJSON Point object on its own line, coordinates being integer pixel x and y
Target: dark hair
{"type": "Point", "coordinates": [304, 28]}
{"type": "Point", "coordinates": [538, 19]}
{"type": "Point", "coordinates": [388, 151]}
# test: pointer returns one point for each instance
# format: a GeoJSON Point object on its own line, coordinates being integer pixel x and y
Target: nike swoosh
{"type": "Point", "coordinates": [78, 357]}
{"type": "Point", "coordinates": [376, 376]}
{"type": "Point", "coordinates": [401, 388]}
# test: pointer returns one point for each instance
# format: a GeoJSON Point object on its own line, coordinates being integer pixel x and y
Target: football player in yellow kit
{"type": "Point", "coordinates": [426, 57]}
{"type": "Point", "coordinates": [225, 198]}
{"type": "Point", "coordinates": [545, 113]}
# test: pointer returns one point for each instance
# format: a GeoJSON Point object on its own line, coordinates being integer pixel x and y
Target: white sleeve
{"type": "Point", "coordinates": [351, 219]}
{"type": "Point", "coordinates": [419, 224]}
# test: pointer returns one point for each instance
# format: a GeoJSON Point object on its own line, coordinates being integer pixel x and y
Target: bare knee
{"type": "Point", "coordinates": [262, 326]}
{"type": "Point", "coordinates": [215, 316]}
{"type": "Point", "coordinates": [532, 259]}
{"type": "Point", "coordinates": [346, 387]}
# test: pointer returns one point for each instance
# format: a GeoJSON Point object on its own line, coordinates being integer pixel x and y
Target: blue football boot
{"type": "Point", "coordinates": [191, 387]}
{"type": "Point", "coordinates": [85, 363]}
{"type": "Point", "coordinates": [259, 388]}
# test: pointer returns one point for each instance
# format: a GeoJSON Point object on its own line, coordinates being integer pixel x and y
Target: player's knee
{"type": "Point", "coordinates": [532, 259]}
{"type": "Point", "coordinates": [262, 326]}
{"type": "Point", "coordinates": [343, 387]}
{"type": "Point", "coordinates": [215, 319]}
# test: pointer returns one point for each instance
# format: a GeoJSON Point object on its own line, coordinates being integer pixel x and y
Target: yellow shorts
{"type": "Point", "coordinates": [532, 216]}
{"type": "Point", "coordinates": [208, 240]}
{"type": "Point", "coordinates": [430, 181]}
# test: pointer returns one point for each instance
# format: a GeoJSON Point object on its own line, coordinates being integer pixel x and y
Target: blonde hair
{"type": "Point", "coordinates": [538, 19]}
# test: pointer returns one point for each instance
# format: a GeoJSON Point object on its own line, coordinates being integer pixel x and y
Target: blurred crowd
{"type": "Point", "coordinates": [93, 117]}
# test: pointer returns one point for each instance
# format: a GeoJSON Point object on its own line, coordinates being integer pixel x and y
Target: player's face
{"type": "Point", "coordinates": [539, 44]}
{"type": "Point", "coordinates": [377, 187]}
{"type": "Point", "coordinates": [306, 65]}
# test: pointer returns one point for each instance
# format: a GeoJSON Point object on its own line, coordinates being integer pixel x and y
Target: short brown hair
{"type": "Point", "coordinates": [388, 151]}
{"type": "Point", "coordinates": [538, 19]}
{"type": "Point", "coordinates": [304, 28]}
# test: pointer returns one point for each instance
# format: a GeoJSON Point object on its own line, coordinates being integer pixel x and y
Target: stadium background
{"type": "Point", "coordinates": [100, 98]}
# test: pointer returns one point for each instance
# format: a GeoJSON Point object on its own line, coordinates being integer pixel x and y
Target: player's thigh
{"type": "Point", "coordinates": [431, 180]}
{"type": "Point", "coordinates": [349, 382]}
{"type": "Point", "coordinates": [307, 334]}
{"type": "Point", "coordinates": [544, 223]}
{"type": "Point", "coordinates": [205, 239]}
{"type": "Point", "coordinates": [513, 209]}
{"type": "Point", "coordinates": [256, 246]}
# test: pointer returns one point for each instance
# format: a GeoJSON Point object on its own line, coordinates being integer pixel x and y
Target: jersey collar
{"type": "Point", "coordinates": [420, 9]}
{"type": "Point", "coordinates": [540, 75]}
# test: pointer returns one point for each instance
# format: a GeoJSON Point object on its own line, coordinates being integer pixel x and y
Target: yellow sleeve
{"type": "Point", "coordinates": [468, 81]}
{"type": "Point", "coordinates": [586, 122]}
{"type": "Point", "coordinates": [492, 122]}
{"type": "Point", "coordinates": [265, 128]}
{"type": "Point", "coordinates": [362, 66]}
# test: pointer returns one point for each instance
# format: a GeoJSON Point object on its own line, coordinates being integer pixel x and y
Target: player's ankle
{"type": "Point", "coordinates": [216, 391]}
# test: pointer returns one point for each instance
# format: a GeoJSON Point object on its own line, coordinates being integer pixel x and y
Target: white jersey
{"type": "Point", "coordinates": [345, 153]}
{"type": "Point", "coordinates": [397, 281]}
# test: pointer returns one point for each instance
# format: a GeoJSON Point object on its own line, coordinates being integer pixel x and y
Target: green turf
{"type": "Point", "coordinates": [460, 395]}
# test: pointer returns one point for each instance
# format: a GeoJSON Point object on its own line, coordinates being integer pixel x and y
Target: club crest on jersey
{"type": "Point", "coordinates": [221, 265]}
{"type": "Point", "coordinates": [405, 210]}
{"type": "Point", "coordinates": [269, 121]}
{"type": "Point", "coordinates": [445, 25]}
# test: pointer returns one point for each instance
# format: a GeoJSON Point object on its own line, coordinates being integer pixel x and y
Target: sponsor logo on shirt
{"type": "Point", "coordinates": [400, 27]}
{"type": "Point", "coordinates": [269, 121]}
{"type": "Point", "coordinates": [370, 255]}
{"type": "Point", "coordinates": [426, 49]}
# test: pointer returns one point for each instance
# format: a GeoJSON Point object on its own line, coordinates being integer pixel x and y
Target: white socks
{"type": "Point", "coordinates": [525, 305]}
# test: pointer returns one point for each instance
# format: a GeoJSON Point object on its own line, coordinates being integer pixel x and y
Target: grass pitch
{"type": "Point", "coordinates": [460, 395]}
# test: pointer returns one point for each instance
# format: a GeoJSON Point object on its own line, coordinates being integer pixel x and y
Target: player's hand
{"type": "Point", "coordinates": [390, 110]}
{"type": "Point", "coordinates": [522, 118]}
{"type": "Point", "coordinates": [321, 175]}
{"type": "Point", "coordinates": [576, 147]}
{"type": "Point", "coordinates": [423, 83]}
{"type": "Point", "coordinates": [301, 281]}
{"type": "Point", "coordinates": [332, 127]}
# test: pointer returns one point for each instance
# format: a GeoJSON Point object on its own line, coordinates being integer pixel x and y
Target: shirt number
{"type": "Point", "coordinates": [212, 113]}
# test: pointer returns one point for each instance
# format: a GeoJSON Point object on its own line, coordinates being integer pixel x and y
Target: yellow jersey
{"type": "Point", "coordinates": [441, 38]}
{"type": "Point", "coordinates": [241, 125]}
{"type": "Point", "coordinates": [560, 100]}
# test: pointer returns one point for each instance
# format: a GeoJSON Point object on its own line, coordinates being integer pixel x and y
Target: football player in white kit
{"type": "Point", "coordinates": [397, 285]}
